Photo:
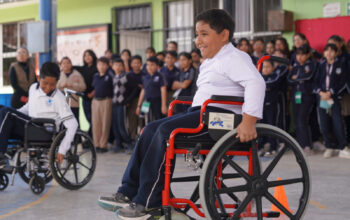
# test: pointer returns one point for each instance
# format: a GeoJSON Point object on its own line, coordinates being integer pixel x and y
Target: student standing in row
{"type": "Point", "coordinates": [137, 74]}
{"type": "Point", "coordinates": [153, 91]}
{"type": "Point", "coordinates": [301, 79]}
{"type": "Point", "coordinates": [102, 105]}
{"type": "Point", "coordinates": [170, 72]}
{"type": "Point", "coordinates": [329, 84]}
{"type": "Point", "coordinates": [123, 87]}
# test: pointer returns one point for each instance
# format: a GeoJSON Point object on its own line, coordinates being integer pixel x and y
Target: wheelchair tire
{"type": "Point", "coordinates": [4, 181]}
{"type": "Point", "coordinates": [256, 185]}
{"type": "Point", "coordinates": [37, 184]}
{"type": "Point", "coordinates": [21, 170]}
{"type": "Point", "coordinates": [66, 174]}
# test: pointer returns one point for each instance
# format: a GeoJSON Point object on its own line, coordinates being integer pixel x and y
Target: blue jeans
{"type": "Point", "coordinates": [143, 179]}
{"type": "Point", "coordinates": [119, 126]}
{"type": "Point", "coordinates": [332, 126]}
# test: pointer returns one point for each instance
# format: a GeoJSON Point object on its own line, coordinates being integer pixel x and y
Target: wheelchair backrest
{"type": "Point", "coordinates": [40, 133]}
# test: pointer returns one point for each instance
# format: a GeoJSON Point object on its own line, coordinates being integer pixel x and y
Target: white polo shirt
{"type": "Point", "coordinates": [231, 73]}
{"type": "Point", "coordinates": [40, 105]}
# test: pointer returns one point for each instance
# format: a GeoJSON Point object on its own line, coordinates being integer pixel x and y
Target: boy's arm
{"type": "Point", "coordinates": [139, 103]}
{"type": "Point", "coordinates": [72, 126]}
{"type": "Point", "coordinates": [163, 96]}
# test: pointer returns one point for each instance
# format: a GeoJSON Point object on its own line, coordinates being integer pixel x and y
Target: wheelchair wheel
{"type": "Point", "coordinates": [257, 183]}
{"type": "Point", "coordinates": [37, 184]}
{"type": "Point", "coordinates": [79, 163]}
{"type": "Point", "coordinates": [42, 164]}
{"type": "Point", "coordinates": [4, 181]}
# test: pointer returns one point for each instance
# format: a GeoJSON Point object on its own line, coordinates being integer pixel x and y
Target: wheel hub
{"type": "Point", "coordinates": [259, 185]}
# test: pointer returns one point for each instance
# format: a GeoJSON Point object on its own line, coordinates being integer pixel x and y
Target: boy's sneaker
{"type": "Point", "coordinates": [308, 151]}
{"type": "Point", "coordinates": [113, 203]}
{"type": "Point", "coordinates": [133, 211]}
{"type": "Point", "coordinates": [329, 153]}
{"type": "Point", "coordinates": [345, 153]}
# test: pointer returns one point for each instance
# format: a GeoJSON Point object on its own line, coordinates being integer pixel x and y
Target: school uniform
{"type": "Point", "coordinates": [102, 109]}
{"type": "Point", "coordinates": [133, 120]}
{"type": "Point", "coordinates": [170, 77]}
{"type": "Point", "coordinates": [271, 107]}
{"type": "Point", "coordinates": [303, 99]}
{"type": "Point", "coordinates": [143, 180]}
{"type": "Point", "coordinates": [152, 85]}
{"type": "Point", "coordinates": [282, 71]}
{"type": "Point", "coordinates": [181, 77]}
{"type": "Point", "coordinates": [332, 78]}
{"type": "Point", "coordinates": [124, 89]}
{"type": "Point", "coordinates": [39, 105]}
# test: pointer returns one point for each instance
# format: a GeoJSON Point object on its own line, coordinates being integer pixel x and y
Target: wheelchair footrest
{"type": "Point", "coordinates": [273, 214]}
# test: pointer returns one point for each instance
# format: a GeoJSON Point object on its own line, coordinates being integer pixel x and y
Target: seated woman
{"type": "Point", "coordinates": [45, 101]}
{"type": "Point", "coordinates": [225, 71]}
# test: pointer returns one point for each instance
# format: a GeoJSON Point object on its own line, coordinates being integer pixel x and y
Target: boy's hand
{"type": "Point", "coordinates": [138, 111]}
{"type": "Point", "coordinates": [164, 109]}
{"type": "Point", "coordinates": [60, 158]}
{"type": "Point", "coordinates": [294, 76]}
{"type": "Point", "coordinates": [246, 130]}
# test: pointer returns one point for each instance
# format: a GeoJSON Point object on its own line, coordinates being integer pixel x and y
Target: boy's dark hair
{"type": "Point", "coordinates": [171, 53]}
{"type": "Point", "coordinates": [303, 49]}
{"type": "Point", "coordinates": [331, 46]}
{"type": "Point", "coordinates": [118, 60]}
{"type": "Point", "coordinates": [92, 54]}
{"type": "Point", "coordinates": [115, 56]}
{"type": "Point", "coordinates": [161, 53]}
{"type": "Point", "coordinates": [151, 49]}
{"type": "Point", "coordinates": [218, 20]}
{"type": "Point", "coordinates": [103, 60]}
{"type": "Point", "coordinates": [50, 69]}
{"type": "Point", "coordinates": [136, 57]}
{"type": "Point", "coordinates": [197, 51]}
{"type": "Point", "coordinates": [173, 42]}
{"type": "Point", "coordinates": [66, 58]}
{"type": "Point", "coordinates": [269, 61]}
{"type": "Point", "coordinates": [243, 39]}
{"type": "Point", "coordinates": [126, 51]}
{"type": "Point", "coordinates": [185, 54]}
{"type": "Point", "coordinates": [259, 39]}
{"type": "Point", "coordinates": [153, 59]}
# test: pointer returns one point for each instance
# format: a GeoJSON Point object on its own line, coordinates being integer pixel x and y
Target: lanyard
{"type": "Point", "coordinates": [329, 68]}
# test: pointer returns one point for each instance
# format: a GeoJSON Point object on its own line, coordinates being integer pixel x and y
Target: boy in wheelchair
{"type": "Point", "coordinates": [143, 179]}
{"type": "Point", "coordinates": [45, 101]}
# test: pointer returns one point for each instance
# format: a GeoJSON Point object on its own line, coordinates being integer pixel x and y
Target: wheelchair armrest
{"type": "Point", "coordinates": [227, 98]}
{"type": "Point", "coordinates": [42, 121]}
{"type": "Point", "coordinates": [185, 98]}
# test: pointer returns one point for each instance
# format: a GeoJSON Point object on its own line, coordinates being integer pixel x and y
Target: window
{"type": "Point", "coordinates": [13, 36]}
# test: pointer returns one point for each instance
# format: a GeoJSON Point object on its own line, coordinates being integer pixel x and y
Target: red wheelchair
{"type": "Point", "coordinates": [235, 182]}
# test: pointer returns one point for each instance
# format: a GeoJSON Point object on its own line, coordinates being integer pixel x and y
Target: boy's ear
{"type": "Point", "coordinates": [225, 35]}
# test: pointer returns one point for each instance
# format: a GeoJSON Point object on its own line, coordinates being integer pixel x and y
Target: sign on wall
{"type": "Point", "coordinates": [348, 8]}
{"type": "Point", "coordinates": [331, 9]}
{"type": "Point", "coordinates": [73, 43]}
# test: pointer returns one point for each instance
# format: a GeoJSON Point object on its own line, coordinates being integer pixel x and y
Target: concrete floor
{"type": "Point", "coordinates": [330, 197]}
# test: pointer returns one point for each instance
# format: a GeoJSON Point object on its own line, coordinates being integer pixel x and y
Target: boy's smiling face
{"type": "Point", "coordinates": [48, 84]}
{"type": "Point", "coordinates": [208, 41]}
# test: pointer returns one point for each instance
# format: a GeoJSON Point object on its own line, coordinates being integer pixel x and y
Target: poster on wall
{"type": "Point", "coordinates": [73, 42]}
{"type": "Point", "coordinates": [331, 9]}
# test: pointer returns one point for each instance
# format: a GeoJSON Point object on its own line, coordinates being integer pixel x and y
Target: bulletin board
{"type": "Point", "coordinates": [319, 30]}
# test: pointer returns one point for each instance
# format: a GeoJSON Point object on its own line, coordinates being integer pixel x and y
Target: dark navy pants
{"type": "Point", "coordinates": [301, 114]}
{"type": "Point", "coordinates": [332, 125]}
{"type": "Point", "coordinates": [119, 126]}
{"type": "Point", "coordinates": [155, 109]}
{"type": "Point", "coordinates": [87, 112]}
{"type": "Point", "coordinates": [270, 116]}
{"type": "Point", "coordinates": [12, 124]}
{"type": "Point", "coordinates": [143, 179]}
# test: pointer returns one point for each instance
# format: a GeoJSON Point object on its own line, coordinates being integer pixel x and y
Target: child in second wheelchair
{"type": "Point", "coordinates": [45, 101]}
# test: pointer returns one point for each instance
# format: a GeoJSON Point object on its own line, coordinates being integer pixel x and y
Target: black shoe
{"type": "Point", "coordinates": [103, 150]}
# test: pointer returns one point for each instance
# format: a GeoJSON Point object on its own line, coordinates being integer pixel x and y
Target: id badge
{"type": "Point", "coordinates": [298, 97]}
{"type": "Point", "coordinates": [145, 107]}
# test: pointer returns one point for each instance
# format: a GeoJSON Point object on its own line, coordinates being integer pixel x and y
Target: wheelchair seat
{"type": "Point", "coordinates": [40, 130]}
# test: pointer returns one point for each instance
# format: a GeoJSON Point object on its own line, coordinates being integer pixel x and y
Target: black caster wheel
{"type": "Point", "coordinates": [4, 181]}
{"type": "Point", "coordinates": [37, 185]}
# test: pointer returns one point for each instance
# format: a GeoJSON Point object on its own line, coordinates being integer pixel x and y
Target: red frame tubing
{"type": "Point", "coordinates": [261, 60]}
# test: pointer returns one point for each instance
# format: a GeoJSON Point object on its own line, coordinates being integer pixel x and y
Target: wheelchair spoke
{"type": "Point", "coordinates": [84, 165]}
{"type": "Point", "coordinates": [237, 168]}
{"type": "Point", "coordinates": [278, 204]}
{"type": "Point", "coordinates": [242, 188]}
{"type": "Point", "coordinates": [258, 207]}
{"type": "Point", "coordinates": [76, 173]}
{"type": "Point", "coordinates": [67, 168]}
{"type": "Point", "coordinates": [219, 201]}
{"type": "Point", "coordinates": [233, 196]}
{"type": "Point", "coordinates": [285, 182]}
{"type": "Point", "coordinates": [83, 152]}
{"type": "Point", "coordinates": [242, 206]}
{"type": "Point", "coordinates": [255, 158]}
{"type": "Point", "coordinates": [273, 164]}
